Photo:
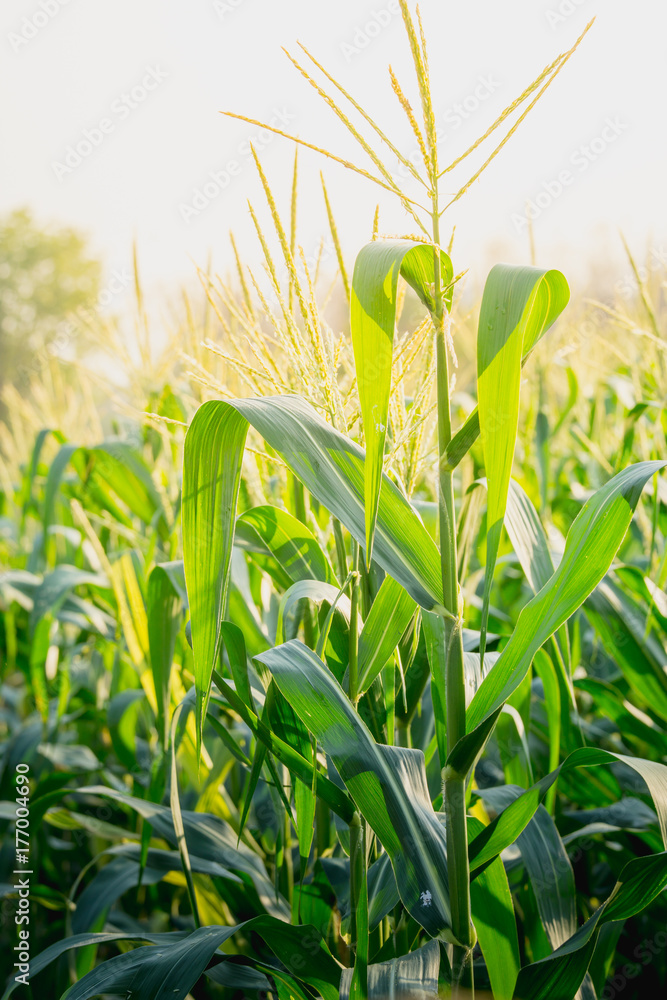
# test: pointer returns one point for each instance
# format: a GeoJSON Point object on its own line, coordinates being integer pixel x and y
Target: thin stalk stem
{"type": "Point", "coordinates": [353, 662]}
{"type": "Point", "coordinates": [359, 907]}
{"type": "Point", "coordinates": [341, 557]}
{"type": "Point", "coordinates": [358, 832]}
{"type": "Point", "coordinates": [454, 783]}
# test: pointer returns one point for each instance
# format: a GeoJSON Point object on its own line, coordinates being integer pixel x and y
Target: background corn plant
{"type": "Point", "coordinates": [384, 765]}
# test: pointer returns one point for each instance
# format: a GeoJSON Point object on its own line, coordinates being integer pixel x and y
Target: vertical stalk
{"type": "Point", "coordinates": [359, 907]}
{"type": "Point", "coordinates": [341, 557]}
{"type": "Point", "coordinates": [454, 783]}
{"type": "Point", "coordinates": [353, 666]}
{"type": "Point", "coordinates": [358, 851]}
{"type": "Point", "coordinates": [322, 827]}
{"type": "Point", "coordinates": [284, 864]}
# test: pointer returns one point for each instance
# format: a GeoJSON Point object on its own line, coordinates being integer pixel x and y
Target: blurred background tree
{"type": "Point", "coordinates": [47, 276]}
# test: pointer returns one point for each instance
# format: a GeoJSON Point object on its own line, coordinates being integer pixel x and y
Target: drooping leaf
{"type": "Point", "coordinates": [122, 874]}
{"type": "Point", "coordinates": [559, 976]}
{"type": "Point", "coordinates": [547, 865]}
{"type": "Point", "coordinates": [505, 829]}
{"type": "Point", "coordinates": [328, 464]}
{"type": "Point", "coordinates": [411, 977]}
{"type": "Point", "coordinates": [310, 590]}
{"type": "Point", "coordinates": [50, 594]}
{"type": "Point", "coordinates": [171, 967]}
{"type": "Point", "coordinates": [287, 540]}
{"type": "Point", "coordinates": [41, 961]}
{"type": "Point", "coordinates": [208, 837]}
{"type": "Point", "coordinates": [387, 783]}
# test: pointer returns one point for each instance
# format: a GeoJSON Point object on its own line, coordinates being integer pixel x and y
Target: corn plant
{"type": "Point", "coordinates": [429, 851]}
{"type": "Point", "coordinates": [351, 672]}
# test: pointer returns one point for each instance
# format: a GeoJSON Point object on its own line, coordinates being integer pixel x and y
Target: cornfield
{"type": "Point", "coordinates": [339, 668]}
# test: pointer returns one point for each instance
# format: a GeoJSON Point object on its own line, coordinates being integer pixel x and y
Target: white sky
{"type": "Point", "coordinates": [75, 70]}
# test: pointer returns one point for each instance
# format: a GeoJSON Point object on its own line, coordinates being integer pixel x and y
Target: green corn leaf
{"type": "Point", "coordinates": [207, 837]}
{"type": "Point", "coordinates": [302, 951]}
{"type": "Point", "coordinates": [387, 620]}
{"type": "Point", "coordinates": [591, 545]}
{"type": "Point", "coordinates": [328, 464]}
{"type": "Point", "coordinates": [234, 644]}
{"type": "Point", "coordinates": [387, 783]}
{"type": "Point", "coordinates": [56, 585]}
{"type": "Point", "coordinates": [154, 971]}
{"type": "Point", "coordinates": [382, 892]}
{"type": "Point", "coordinates": [240, 977]}
{"type": "Point", "coordinates": [506, 828]}
{"type": "Point", "coordinates": [122, 874]}
{"type": "Point", "coordinates": [620, 623]}
{"type": "Point", "coordinates": [547, 865]}
{"type": "Point", "coordinates": [305, 803]}
{"type": "Point", "coordinates": [546, 671]}
{"type": "Point", "coordinates": [168, 967]}
{"type": "Point", "coordinates": [359, 907]}
{"type": "Point", "coordinates": [519, 304]}
{"type": "Point", "coordinates": [54, 951]}
{"type": "Point", "coordinates": [411, 977]}
{"type": "Point", "coordinates": [112, 467]}
{"type": "Point", "coordinates": [211, 476]}
{"type": "Point", "coordinates": [528, 538]}
{"type": "Point", "coordinates": [311, 590]}
{"type": "Point", "coordinates": [372, 322]}
{"type": "Point", "coordinates": [495, 923]}
{"type": "Point", "coordinates": [166, 584]}
{"type": "Point", "coordinates": [258, 761]}
{"type": "Point", "coordinates": [336, 798]}
{"type": "Point", "coordinates": [559, 976]}
{"type": "Point", "coordinates": [287, 540]}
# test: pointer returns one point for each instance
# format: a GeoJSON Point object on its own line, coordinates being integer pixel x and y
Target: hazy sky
{"type": "Point", "coordinates": [137, 86]}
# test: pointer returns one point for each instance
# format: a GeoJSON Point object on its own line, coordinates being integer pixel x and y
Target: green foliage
{"type": "Point", "coordinates": [371, 700]}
